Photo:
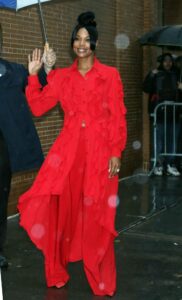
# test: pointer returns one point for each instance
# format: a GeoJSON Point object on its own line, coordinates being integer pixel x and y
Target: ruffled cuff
{"type": "Point", "coordinates": [34, 80]}
{"type": "Point", "coordinates": [116, 152]}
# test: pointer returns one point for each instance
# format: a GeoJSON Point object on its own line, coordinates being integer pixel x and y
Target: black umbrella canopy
{"type": "Point", "coordinates": [170, 36]}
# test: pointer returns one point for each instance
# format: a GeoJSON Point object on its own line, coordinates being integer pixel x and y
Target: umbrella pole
{"type": "Point", "coordinates": [43, 22]}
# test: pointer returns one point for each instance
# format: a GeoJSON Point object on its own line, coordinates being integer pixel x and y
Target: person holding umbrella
{"type": "Point", "coordinates": [20, 148]}
{"type": "Point", "coordinates": [69, 211]}
{"type": "Point", "coordinates": [162, 85]}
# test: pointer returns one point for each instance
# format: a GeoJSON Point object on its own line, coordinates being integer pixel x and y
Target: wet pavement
{"type": "Point", "coordinates": [148, 249]}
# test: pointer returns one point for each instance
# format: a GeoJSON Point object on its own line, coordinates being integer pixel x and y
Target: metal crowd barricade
{"type": "Point", "coordinates": [164, 104]}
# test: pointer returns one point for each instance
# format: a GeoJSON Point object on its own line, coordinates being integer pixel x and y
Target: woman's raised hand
{"type": "Point", "coordinates": [34, 62]}
{"type": "Point", "coordinates": [180, 86]}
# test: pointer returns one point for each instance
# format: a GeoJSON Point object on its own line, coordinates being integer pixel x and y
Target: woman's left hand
{"type": "Point", "coordinates": [180, 85]}
{"type": "Point", "coordinates": [114, 166]}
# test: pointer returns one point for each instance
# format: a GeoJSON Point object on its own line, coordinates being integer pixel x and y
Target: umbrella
{"type": "Point", "coordinates": [170, 36]}
{"type": "Point", "coordinates": [18, 4]}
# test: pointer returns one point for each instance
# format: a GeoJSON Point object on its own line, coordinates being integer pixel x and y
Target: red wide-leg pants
{"type": "Point", "coordinates": [74, 234]}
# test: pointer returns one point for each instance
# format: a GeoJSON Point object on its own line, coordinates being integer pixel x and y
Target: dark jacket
{"type": "Point", "coordinates": [16, 121]}
{"type": "Point", "coordinates": [179, 77]}
{"type": "Point", "coordinates": [161, 87]}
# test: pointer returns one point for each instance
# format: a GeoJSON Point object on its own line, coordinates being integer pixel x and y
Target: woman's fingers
{"type": "Point", "coordinates": [114, 166]}
{"type": "Point", "coordinates": [115, 169]}
{"type": "Point", "coordinates": [110, 167]}
{"type": "Point", "coordinates": [29, 58]}
{"type": "Point", "coordinates": [34, 62]}
{"type": "Point", "coordinates": [36, 55]}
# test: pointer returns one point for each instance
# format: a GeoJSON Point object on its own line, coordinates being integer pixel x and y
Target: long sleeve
{"type": "Point", "coordinates": [118, 127]}
{"type": "Point", "coordinates": [42, 100]}
{"type": "Point", "coordinates": [149, 83]}
{"type": "Point", "coordinates": [42, 75]}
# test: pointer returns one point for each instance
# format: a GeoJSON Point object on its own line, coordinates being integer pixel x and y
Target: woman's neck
{"type": "Point", "coordinates": [85, 64]}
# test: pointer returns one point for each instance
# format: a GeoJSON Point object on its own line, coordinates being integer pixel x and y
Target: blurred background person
{"type": "Point", "coordinates": [162, 85]}
{"type": "Point", "coordinates": [179, 76]}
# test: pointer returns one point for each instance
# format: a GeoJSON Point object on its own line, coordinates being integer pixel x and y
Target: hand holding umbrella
{"type": "Point", "coordinates": [48, 58]}
{"type": "Point", "coordinates": [180, 86]}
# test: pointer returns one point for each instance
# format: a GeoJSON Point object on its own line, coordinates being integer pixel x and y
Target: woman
{"type": "Point", "coordinates": [69, 211]}
{"type": "Point", "coordinates": [162, 85]}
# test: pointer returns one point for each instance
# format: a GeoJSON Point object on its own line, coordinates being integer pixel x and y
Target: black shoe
{"type": "Point", "coordinates": [3, 261]}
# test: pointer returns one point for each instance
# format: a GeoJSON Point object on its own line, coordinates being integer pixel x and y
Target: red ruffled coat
{"type": "Point", "coordinates": [96, 99]}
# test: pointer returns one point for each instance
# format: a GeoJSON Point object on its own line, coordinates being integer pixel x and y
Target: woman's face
{"type": "Point", "coordinates": [81, 44]}
{"type": "Point", "coordinates": [167, 63]}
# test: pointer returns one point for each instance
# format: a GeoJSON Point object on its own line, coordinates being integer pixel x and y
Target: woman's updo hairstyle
{"type": "Point", "coordinates": [86, 20]}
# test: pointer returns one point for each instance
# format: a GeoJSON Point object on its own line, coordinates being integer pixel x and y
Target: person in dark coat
{"type": "Point", "coordinates": [162, 85]}
{"type": "Point", "coordinates": [20, 148]}
{"type": "Point", "coordinates": [179, 75]}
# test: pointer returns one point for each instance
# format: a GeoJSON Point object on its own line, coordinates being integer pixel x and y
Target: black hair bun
{"type": "Point", "coordinates": [86, 19]}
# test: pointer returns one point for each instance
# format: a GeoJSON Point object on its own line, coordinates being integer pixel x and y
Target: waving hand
{"type": "Point", "coordinates": [34, 62]}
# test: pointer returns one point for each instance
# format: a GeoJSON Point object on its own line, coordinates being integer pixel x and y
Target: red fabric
{"type": "Point", "coordinates": [96, 99]}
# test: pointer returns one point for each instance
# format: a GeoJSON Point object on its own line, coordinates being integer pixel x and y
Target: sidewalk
{"type": "Point", "coordinates": [148, 249]}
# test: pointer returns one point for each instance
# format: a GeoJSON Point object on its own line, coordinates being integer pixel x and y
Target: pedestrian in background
{"type": "Point", "coordinates": [178, 62]}
{"type": "Point", "coordinates": [162, 85]}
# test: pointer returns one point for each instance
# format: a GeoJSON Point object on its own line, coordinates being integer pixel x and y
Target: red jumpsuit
{"type": "Point", "coordinates": [69, 211]}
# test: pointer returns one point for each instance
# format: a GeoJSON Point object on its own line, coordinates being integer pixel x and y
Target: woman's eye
{"type": "Point", "coordinates": [87, 40]}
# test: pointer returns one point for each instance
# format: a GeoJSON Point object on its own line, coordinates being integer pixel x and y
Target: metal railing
{"type": "Point", "coordinates": [164, 105]}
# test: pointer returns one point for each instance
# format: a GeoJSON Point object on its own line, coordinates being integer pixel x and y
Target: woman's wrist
{"type": "Point", "coordinates": [33, 74]}
{"type": "Point", "coordinates": [47, 69]}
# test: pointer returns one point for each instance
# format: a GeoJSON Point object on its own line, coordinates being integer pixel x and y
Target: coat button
{"type": "Point", "coordinates": [83, 123]}
{"type": "Point", "coordinates": [71, 112]}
